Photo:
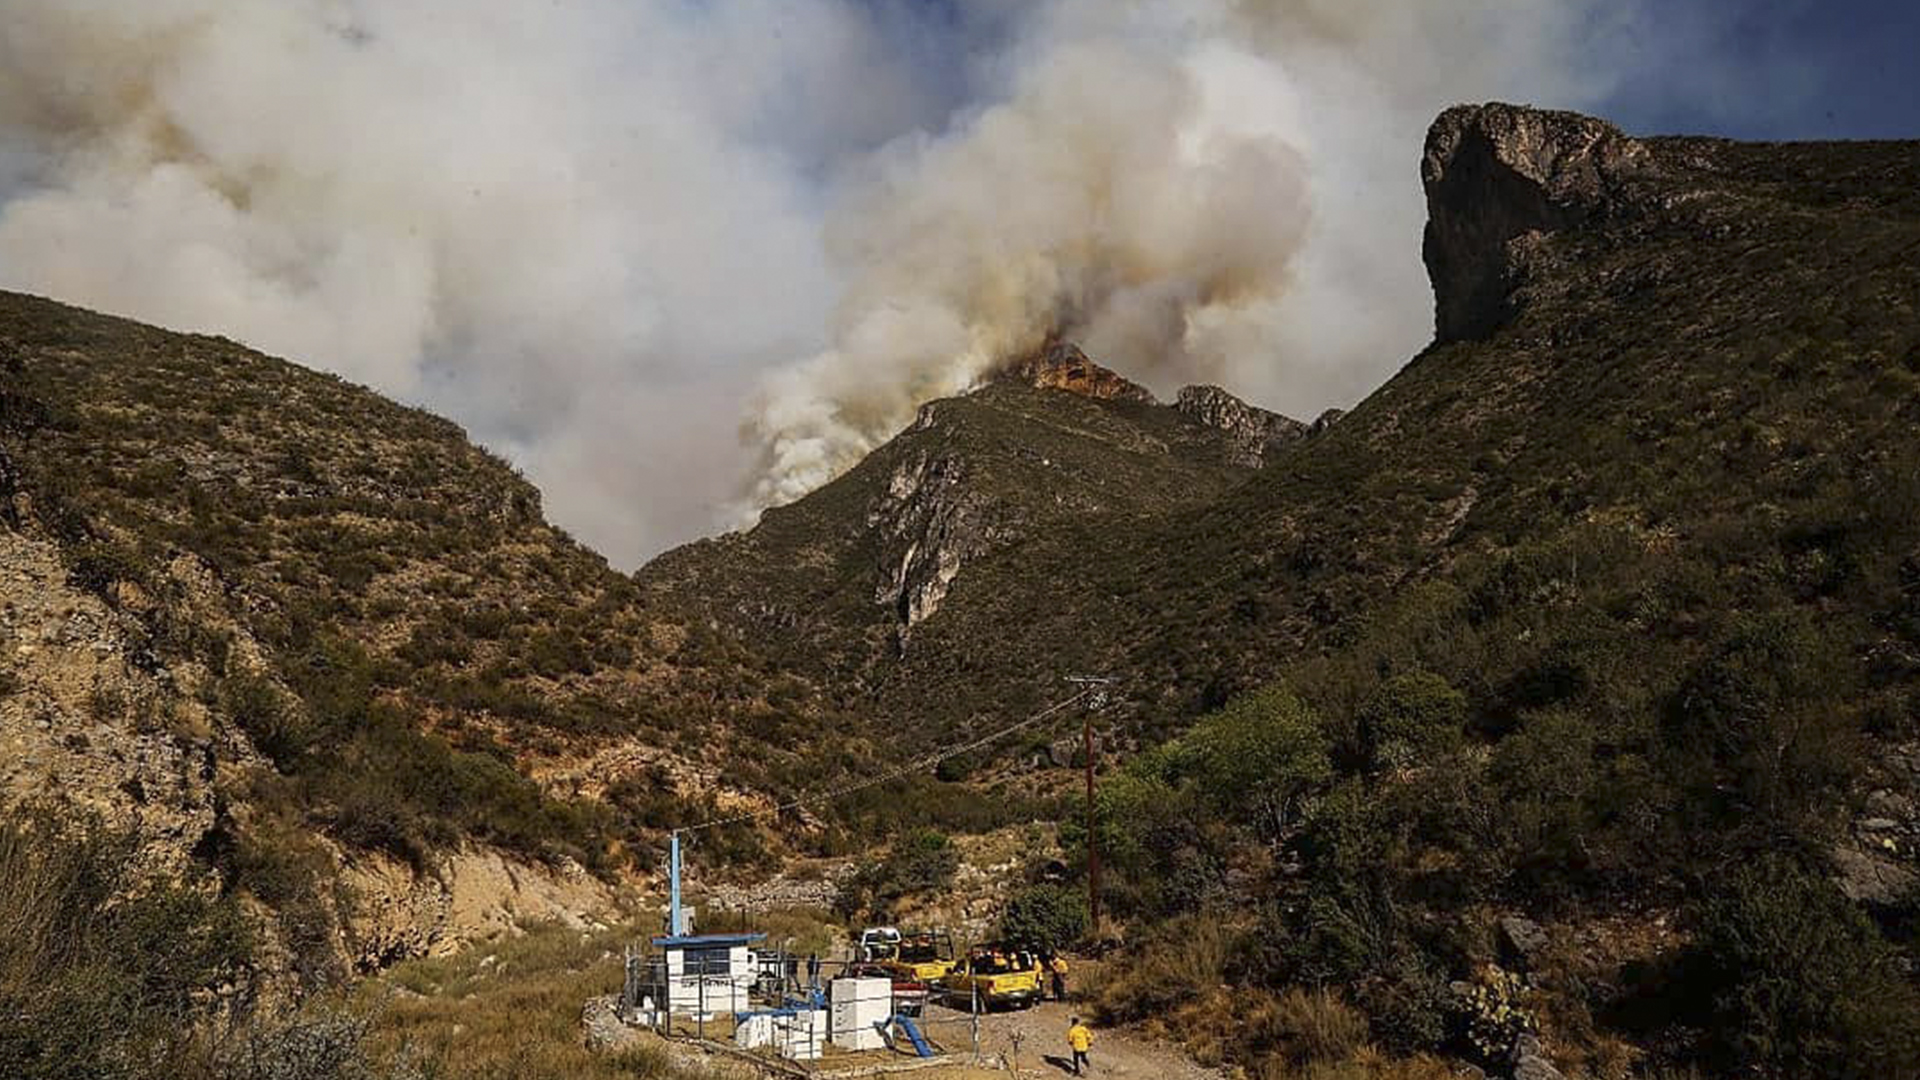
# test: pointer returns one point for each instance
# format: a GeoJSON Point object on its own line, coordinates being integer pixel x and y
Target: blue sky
{"type": "Point", "coordinates": [1773, 69]}
{"type": "Point", "coordinates": [1748, 69]}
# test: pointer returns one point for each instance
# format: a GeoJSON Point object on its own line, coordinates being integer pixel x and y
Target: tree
{"type": "Point", "coordinates": [922, 861]}
{"type": "Point", "coordinates": [1257, 756]}
{"type": "Point", "coordinates": [1046, 918]}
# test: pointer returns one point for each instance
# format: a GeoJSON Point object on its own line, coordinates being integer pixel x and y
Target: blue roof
{"type": "Point", "coordinates": [690, 940]}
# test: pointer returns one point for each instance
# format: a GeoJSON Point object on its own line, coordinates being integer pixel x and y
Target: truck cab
{"type": "Point", "coordinates": [878, 943]}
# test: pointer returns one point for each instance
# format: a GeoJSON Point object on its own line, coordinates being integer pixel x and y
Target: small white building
{"type": "Point", "coordinates": [707, 974]}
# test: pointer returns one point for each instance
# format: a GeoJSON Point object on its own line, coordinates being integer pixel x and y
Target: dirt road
{"type": "Point", "coordinates": [1043, 1054]}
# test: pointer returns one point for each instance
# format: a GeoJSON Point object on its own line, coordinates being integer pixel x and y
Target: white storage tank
{"type": "Point", "coordinates": [860, 1009]}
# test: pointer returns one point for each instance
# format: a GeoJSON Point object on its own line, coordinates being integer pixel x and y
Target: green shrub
{"type": "Point", "coordinates": [1411, 719]}
{"type": "Point", "coordinates": [1351, 925]}
{"type": "Point", "coordinates": [102, 974]}
{"type": "Point", "coordinates": [316, 1043]}
{"type": "Point", "coordinates": [1802, 984]}
{"type": "Point", "coordinates": [921, 862]}
{"type": "Point", "coordinates": [1767, 713]}
{"type": "Point", "coordinates": [1545, 775]}
{"type": "Point", "coordinates": [1046, 918]}
{"type": "Point", "coordinates": [274, 724]}
{"type": "Point", "coordinates": [97, 566]}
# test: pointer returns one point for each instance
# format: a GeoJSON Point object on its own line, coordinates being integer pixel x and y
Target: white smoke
{"type": "Point", "coordinates": [594, 231]}
{"type": "Point", "coordinates": [572, 227]}
{"type": "Point", "coordinates": [1203, 190]}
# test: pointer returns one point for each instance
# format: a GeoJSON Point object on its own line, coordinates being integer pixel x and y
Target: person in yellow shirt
{"type": "Point", "coordinates": [1057, 968]}
{"type": "Point", "coordinates": [1079, 1040]}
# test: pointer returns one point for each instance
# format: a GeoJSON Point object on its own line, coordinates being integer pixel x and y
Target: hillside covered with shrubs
{"type": "Point", "coordinates": [1562, 698]}
{"type": "Point", "coordinates": [1603, 615]}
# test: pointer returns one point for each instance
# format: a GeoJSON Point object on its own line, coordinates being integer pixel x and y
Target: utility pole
{"type": "Point", "coordinates": [1097, 690]}
{"type": "Point", "coordinates": [1093, 838]}
{"type": "Point", "coordinates": [676, 922]}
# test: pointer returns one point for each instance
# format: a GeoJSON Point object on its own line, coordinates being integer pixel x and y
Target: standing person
{"type": "Point", "coordinates": [1079, 1040]}
{"type": "Point", "coordinates": [1057, 969]}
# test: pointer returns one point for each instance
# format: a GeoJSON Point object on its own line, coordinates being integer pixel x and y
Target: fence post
{"type": "Point", "coordinates": [973, 1019]}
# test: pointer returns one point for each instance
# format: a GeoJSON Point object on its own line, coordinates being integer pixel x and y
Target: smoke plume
{"type": "Point", "coordinates": [1197, 191]}
{"type": "Point", "coordinates": [595, 232]}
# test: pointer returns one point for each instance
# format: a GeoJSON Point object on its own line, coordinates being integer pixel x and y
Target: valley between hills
{"type": "Point", "coordinates": [1562, 695]}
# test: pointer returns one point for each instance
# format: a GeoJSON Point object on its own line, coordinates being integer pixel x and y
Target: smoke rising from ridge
{"type": "Point", "coordinates": [596, 232]}
{"type": "Point", "coordinates": [1194, 191]}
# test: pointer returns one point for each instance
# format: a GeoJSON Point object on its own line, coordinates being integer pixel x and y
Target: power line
{"type": "Point", "coordinates": [917, 765]}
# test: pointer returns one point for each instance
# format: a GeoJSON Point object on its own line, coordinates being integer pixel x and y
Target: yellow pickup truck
{"type": "Point", "coordinates": [924, 956]}
{"type": "Point", "coordinates": [995, 976]}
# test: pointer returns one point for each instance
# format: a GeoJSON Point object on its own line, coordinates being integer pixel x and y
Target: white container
{"type": "Point", "coordinates": [800, 1037]}
{"type": "Point", "coordinates": [754, 1032]}
{"type": "Point", "coordinates": [860, 1009]}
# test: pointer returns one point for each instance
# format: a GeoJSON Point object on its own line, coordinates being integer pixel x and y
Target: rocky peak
{"type": "Point", "coordinates": [1061, 365]}
{"type": "Point", "coordinates": [1251, 430]}
{"type": "Point", "coordinates": [1494, 173]}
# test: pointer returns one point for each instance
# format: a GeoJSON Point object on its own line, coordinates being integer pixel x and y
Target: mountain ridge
{"type": "Point", "coordinates": [1602, 613]}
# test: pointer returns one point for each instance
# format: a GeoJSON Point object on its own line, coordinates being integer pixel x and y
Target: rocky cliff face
{"type": "Point", "coordinates": [1253, 432]}
{"type": "Point", "coordinates": [1052, 442]}
{"type": "Point", "coordinates": [1495, 174]}
{"type": "Point", "coordinates": [934, 524]}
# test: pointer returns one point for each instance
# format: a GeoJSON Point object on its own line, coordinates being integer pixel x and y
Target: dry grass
{"type": "Point", "coordinates": [1318, 1025]}
{"type": "Point", "coordinates": [1184, 962]}
{"type": "Point", "coordinates": [509, 1009]}
{"type": "Point", "coordinates": [802, 929]}
{"type": "Point", "coordinates": [1173, 988]}
{"type": "Point", "coordinates": [1365, 1064]}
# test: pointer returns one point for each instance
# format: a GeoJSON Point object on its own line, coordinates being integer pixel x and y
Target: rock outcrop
{"type": "Point", "coordinates": [1530, 1060]}
{"type": "Point", "coordinates": [1495, 173]}
{"type": "Point", "coordinates": [88, 727]}
{"type": "Point", "coordinates": [1061, 365]}
{"type": "Point", "coordinates": [1252, 432]}
{"type": "Point", "coordinates": [1522, 940]}
{"type": "Point", "coordinates": [936, 523]}
{"type": "Point", "coordinates": [402, 912]}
